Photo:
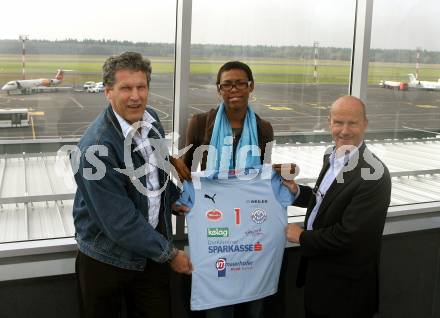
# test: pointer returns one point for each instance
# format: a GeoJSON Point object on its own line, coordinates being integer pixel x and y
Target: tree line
{"type": "Point", "coordinates": [109, 47]}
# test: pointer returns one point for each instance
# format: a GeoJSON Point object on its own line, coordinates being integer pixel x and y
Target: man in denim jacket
{"type": "Point", "coordinates": [123, 202]}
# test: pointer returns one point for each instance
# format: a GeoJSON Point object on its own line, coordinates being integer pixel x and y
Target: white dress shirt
{"type": "Point", "coordinates": [336, 165]}
{"type": "Point", "coordinates": [141, 140]}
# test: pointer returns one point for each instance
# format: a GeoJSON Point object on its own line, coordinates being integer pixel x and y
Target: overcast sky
{"type": "Point", "coordinates": [396, 23]}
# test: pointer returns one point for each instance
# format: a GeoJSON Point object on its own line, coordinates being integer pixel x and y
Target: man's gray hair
{"type": "Point", "coordinates": [126, 61]}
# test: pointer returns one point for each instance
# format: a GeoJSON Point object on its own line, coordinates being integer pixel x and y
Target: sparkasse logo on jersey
{"type": "Point", "coordinates": [235, 248]}
{"type": "Point", "coordinates": [218, 232]}
{"type": "Point", "coordinates": [258, 247]}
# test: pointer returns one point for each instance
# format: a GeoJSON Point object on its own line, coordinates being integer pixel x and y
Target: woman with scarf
{"type": "Point", "coordinates": [233, 132]}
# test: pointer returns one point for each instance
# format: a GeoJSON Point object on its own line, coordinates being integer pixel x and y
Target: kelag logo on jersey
{"type": "Point", "coordinates": [218, 232]}
{"type": "Point", "coordinates": [214, 215]}
{"type": "Point", "coordinates": [221, 267]}
{"type": "Point", "coordinates": [259, 216]}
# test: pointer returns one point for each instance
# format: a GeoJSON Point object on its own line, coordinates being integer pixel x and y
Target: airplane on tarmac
{"type": "Point", "coordinates": [426, 85]}
{"type": "Point", "coordinates": [401, 86]}
{"type": "Point", "coordinates": [34, 85]}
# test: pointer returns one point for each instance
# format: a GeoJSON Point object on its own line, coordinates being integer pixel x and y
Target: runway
{"type": "Point", "coordinates": [289, 107]}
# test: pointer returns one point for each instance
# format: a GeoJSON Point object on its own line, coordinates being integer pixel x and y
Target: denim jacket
{"type": "Point", "coordinates": [110, 214]}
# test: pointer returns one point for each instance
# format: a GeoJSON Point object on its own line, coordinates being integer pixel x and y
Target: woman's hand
{"type": "Point", "coordinates": [181, 168]}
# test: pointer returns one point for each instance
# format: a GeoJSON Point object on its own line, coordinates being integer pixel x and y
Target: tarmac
{"type": "Point", "coordinates": [291, 108]}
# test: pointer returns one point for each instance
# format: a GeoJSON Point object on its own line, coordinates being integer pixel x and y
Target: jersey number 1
{"type": "Point", "coordinates": [237, 215]}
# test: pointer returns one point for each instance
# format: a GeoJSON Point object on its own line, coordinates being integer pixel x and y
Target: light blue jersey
{"type": "Point", "coordinates": [236, 238]}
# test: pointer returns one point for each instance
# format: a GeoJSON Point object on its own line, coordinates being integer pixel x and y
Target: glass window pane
{"type": "Point", "coordinates": [51, 74]}
{"type": "Point", "coordinates": [299, 52]}
{"type": "Point", "coordinates": [403, 96]}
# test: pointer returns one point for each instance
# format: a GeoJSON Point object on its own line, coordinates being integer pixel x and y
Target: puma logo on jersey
{"type": "Point", "coordinates": [207, 196]}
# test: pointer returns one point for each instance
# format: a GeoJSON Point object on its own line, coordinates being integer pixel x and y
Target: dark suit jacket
{"type": "Point", "coordinates": [340, 256]}
{"type": "Point", "coordinates": [200, 129]}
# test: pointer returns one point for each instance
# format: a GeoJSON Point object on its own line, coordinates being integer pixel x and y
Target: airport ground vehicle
{"type": "Point", "coordinates": [88, 84]}
{"type": "Point", "coordinates": [14, 117]}
{"type": "Point", "coordinates": [97, 88]}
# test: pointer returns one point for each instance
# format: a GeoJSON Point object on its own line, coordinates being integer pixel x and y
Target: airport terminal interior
{"type": "Point", "coordinates": [303, 54]}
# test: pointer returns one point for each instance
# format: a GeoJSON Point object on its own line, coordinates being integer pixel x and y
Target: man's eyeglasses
{"type": "Point", "coordinates": [226, 87]}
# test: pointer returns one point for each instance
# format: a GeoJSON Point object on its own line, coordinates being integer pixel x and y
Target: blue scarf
{"type": "Point", "coordinates": [222, 140]}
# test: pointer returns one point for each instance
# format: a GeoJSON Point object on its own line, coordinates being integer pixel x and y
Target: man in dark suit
{"type": "Point", "coordinates": [346, 211]}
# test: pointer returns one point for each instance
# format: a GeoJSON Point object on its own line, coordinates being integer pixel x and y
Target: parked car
{"type": "Point", "coordinates": [97, 88]}
{"type": "Point", "coordinates": [89, 84]}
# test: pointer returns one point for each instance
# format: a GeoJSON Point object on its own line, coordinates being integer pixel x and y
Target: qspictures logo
{"type": "Point", "coordinates": [217, 232]}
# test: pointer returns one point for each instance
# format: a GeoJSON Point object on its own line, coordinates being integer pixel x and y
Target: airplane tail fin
{"type": "Point", "coordinates": [60, 75]}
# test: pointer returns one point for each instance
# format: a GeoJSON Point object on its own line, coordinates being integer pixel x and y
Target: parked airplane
{"type": "Point", "coordinates": [427, 85]}
{"type": "Point", "coordinates": [27, 86]}
{"type": "Point", "coordinates": [402, 86]}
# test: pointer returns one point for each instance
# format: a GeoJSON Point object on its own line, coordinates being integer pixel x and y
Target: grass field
{"type": "Point", "coordinates": [88, 67]}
